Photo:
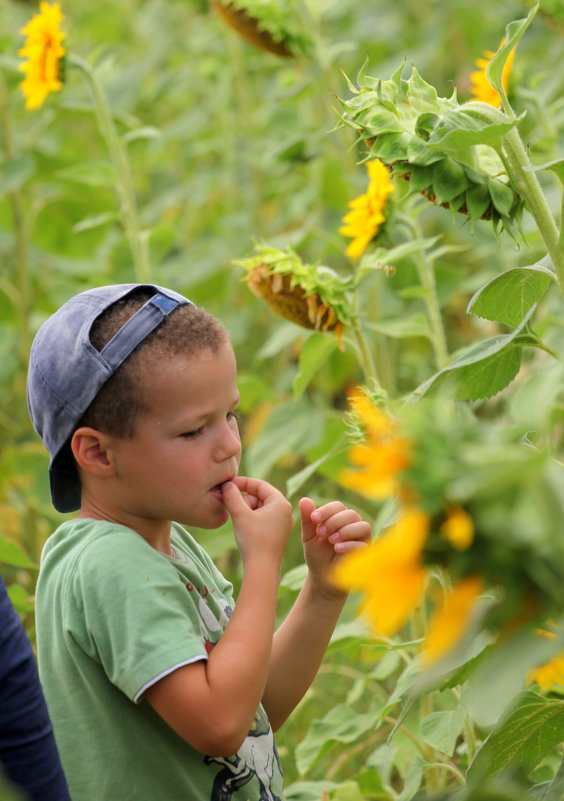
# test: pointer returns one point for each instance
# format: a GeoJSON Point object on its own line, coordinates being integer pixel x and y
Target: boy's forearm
{"type": "Point", "coordinates": [211, 704]}
{"type": "Point", "coordinates": [298, 649]}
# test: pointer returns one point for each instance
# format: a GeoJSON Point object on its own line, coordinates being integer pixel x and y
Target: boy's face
{"type": "Point", "coordinates": [186, 445]}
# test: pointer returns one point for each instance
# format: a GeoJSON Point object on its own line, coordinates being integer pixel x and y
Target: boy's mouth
{"type": "Point", "coordinates": [217, 488]}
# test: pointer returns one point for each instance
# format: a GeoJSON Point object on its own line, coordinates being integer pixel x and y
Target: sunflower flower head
{"type": "Point", "coordinates": [480, 87]}
{"type": "Point", "coordinates": [366, 215]}
{"type": "Point", "coordinates": [43, 51]}
{"type": "Point", "coordinates": [549, 674]}
{"type": "Point", "coordinates": [388, 573]}
{"type": "Point", "coordinates": [451, 620]}
{"type": "Point", "coordinates": [379, 459]}
{"type": "Point", "coordinates": [458, 528]}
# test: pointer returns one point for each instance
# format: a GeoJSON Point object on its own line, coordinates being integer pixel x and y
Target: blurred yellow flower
{"type": "Point", "coordinates": [365, 217]}
{"type": "Point", "coordinates": [380, 458]}
{"type": "Point", "coordinates": [451, 620]}
{"type": "Point", "coordinates": [458, 528]}
{"type": "Point", "coordinates": [480, 88]}
{"type": "Point", "coordinates": [388, 573]}
{"type": "Point", "coordinates": [546, 676]}
{"type": "Point", "coordinates": [43, 50]}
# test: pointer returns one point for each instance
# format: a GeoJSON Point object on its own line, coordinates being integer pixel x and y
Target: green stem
{"type": "Point", "coordinates": [138, 239]}
{"type": "Point", "coordinates": [366, 358]}
{"type": "Point", "coordinates": [427, 277]}
{"type": "Point", "coordinates": [531, 190]}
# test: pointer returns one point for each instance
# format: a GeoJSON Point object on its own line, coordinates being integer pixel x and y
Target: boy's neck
{"type": "Point", "coordinates": [155, 532]}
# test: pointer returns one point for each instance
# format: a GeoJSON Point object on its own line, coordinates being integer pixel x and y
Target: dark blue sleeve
{"type": "Point", "coordinates": [28, 751]}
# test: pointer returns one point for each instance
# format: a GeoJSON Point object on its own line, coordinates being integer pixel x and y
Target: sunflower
{"type": "Point", "coordinates": [451, 620]}
{"type": "Point", "coordinates": [366, 211]}
{"type": "Point", "coordinates": [377, 461]}
{"type": "Point", "coordinates": [388, 573]}
{"type": "Point", "coordinates": [480, 87]}
{"type": "Point", "coordinates": [43, 50]}
{"type": "Point", "coordinates": [549, 674]}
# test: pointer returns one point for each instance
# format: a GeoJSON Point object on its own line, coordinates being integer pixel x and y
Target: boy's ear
{"type": "Point", "coordinates": [90, 449]}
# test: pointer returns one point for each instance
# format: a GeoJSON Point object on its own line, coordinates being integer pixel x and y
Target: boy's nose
{"type": "Point", "coordinates": [229, 443]}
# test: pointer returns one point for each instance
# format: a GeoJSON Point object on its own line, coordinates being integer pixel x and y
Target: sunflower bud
{"type": "Point", "coordinates": [437, 145]}
{"type": "Point", "coordinates": [272, 27]}
{"type": "Point", "coordinates": [311, 296]}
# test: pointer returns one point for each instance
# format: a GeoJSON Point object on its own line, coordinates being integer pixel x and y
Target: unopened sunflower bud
{"type": "Point", "coordinates": [311, 296]}
{"type": "Point", "coordinates": [273, 27]}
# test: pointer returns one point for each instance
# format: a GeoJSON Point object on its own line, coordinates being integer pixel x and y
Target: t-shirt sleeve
{"type": "Point", "coordinates": [130, 611]}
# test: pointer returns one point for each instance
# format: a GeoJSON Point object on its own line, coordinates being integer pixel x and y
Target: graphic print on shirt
{"type": "Point", "coordinates": [257, 758]}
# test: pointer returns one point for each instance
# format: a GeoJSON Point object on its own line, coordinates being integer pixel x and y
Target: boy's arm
{"type": "Point", "coordinates": [301, 641]}
{"type": "Point", "coordinates": [211, 703]}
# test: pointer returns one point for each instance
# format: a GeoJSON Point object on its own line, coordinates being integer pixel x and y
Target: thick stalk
{"type": "Point", "coordinates": [536, 201]}
{"type": "Point", "coordinates": [137, 238]}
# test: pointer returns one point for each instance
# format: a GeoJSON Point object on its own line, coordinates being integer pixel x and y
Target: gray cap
{"type": "Point", "coordinates": [66, 372]}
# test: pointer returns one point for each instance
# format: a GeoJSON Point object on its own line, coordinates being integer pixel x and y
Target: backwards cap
{"type": "Point", "coordinates": [66, 372]}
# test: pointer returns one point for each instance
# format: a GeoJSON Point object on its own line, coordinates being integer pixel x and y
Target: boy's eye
{"type": "Point", "coordinates": [233, 415]}
{"type": "Point", "coordinates": [192, 434]}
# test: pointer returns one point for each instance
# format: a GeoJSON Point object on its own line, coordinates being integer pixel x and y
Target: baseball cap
{"type": "Point", "coordinates": [66, 372]}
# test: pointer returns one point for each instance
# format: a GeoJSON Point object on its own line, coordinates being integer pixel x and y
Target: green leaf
{"type": "Point", "coordinates": [308, 791]}
{"type": "Point", "coordinates": [442, 729]}
{"type": "Point", "coordinates": [509, 297]}
{"type": "Point", "coordinates": [484, 369]}
{"type": "Point", "coordinates": [95, 222]}
{"type": "Point", "coordinates": [20, 599]}
{"type": "Point", "coordinates": [459, 130]}
{"type": "Point", "coordinates": [11, 554]}
{"type": "Point", "coordinates": [502, 196]}
{"type": "Point", "coordinates": [341, 724]}
{"type": "Point", "coordinates": [412, 781]}
{"type": "Point", "coordinates": [315, 351]}
{"type": "Point", "coordinates": [383, 257]}
{"type": "Point", "coordinates": [513, 33]}
{"type": "Point", "coordinates": [534, 727]}
{"type": "Point", "coordinates": [296, 481]}
{"type": "Point", "coordinates": [98, 173]}
{"type": "Point", "coordinates": [555, 790]}
{"type": "Point", "coordinates": [289, 429]}
{"type": "Point", "coordinates": [556, 166]}
{"type": "Point", "coordinates": [15, 173]}
{"type": "Point", "coordinates": [415, 326]}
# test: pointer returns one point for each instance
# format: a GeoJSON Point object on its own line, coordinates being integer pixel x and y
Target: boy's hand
{"type": "Point", "coordinates": [327, 533]}
{"type": "Point", "coordinates": [262, 517]}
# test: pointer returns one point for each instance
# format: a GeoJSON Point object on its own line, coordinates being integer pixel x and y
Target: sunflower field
{"type": "Point", "coordinates": [369, 195]}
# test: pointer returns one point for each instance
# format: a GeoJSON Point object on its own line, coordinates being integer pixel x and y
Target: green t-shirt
{"type": "Point", "coordinates": [113, 617]}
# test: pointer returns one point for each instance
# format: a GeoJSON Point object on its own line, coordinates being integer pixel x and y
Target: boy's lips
{"type": "Point", "coordinates": [216, 489]}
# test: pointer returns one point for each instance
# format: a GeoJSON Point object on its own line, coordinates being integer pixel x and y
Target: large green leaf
{"type": "Point", "coordinates": [484, 369]}
{"type": "Point", "coordinates": [315, 352]}
{"type": "Point", "coordinates": [532, 730]}
{"type": "Point", "coordinates": [341, 724]}
{"type": "Point", "coordinates": [11, 554]}
{"type": "Point", "coordinates": [442, 729]}
{"type": "Point", "coordinates": [513, 34]}
{"type": "Point", "coordinates": [509, 297]}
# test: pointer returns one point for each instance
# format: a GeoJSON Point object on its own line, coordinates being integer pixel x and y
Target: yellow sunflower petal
{"type": "Point", "coordinates": [451, 620]}
{"type": "Point", "coordinates": [549, 674]}
{"type": "Point", "coordinates": [366, 211]}
{"type": "Point", "coordinates": [388, 573]}
{"type": "Point", "coordinates": [458, 528]}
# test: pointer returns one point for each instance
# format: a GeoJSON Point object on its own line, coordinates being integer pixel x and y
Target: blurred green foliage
{"type": "Point", "coordinates": [229, 144]}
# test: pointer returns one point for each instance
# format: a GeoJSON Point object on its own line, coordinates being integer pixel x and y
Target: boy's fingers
{"type": "Point", "coordinates": [262, 490]}
{"type": "Point", "coordinates": [307, 506]}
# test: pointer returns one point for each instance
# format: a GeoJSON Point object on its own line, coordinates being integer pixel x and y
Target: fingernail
{"type": "Point", "coordinates": [322, 530]}
{"type": "Point", "coordinates": [316, 517]}
{"type": "Point", "coordinates": [334, 537]}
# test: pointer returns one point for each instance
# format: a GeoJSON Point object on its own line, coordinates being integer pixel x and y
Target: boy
{"type": "Point", "coordinates": [158, 688]}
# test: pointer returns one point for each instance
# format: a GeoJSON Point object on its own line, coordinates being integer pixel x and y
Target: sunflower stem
{"type": "Point", "coordinates": [137, 238]}
{"type": "Point", "coordinates": [530, 188]}
{"type": "Point", "coordinates": [427, 277]}
{"type": "Point", "coordinates": [366, 358]}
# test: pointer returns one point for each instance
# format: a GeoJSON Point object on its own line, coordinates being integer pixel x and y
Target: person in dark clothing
{"type": "Point", "coordinates": [28, 753]}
